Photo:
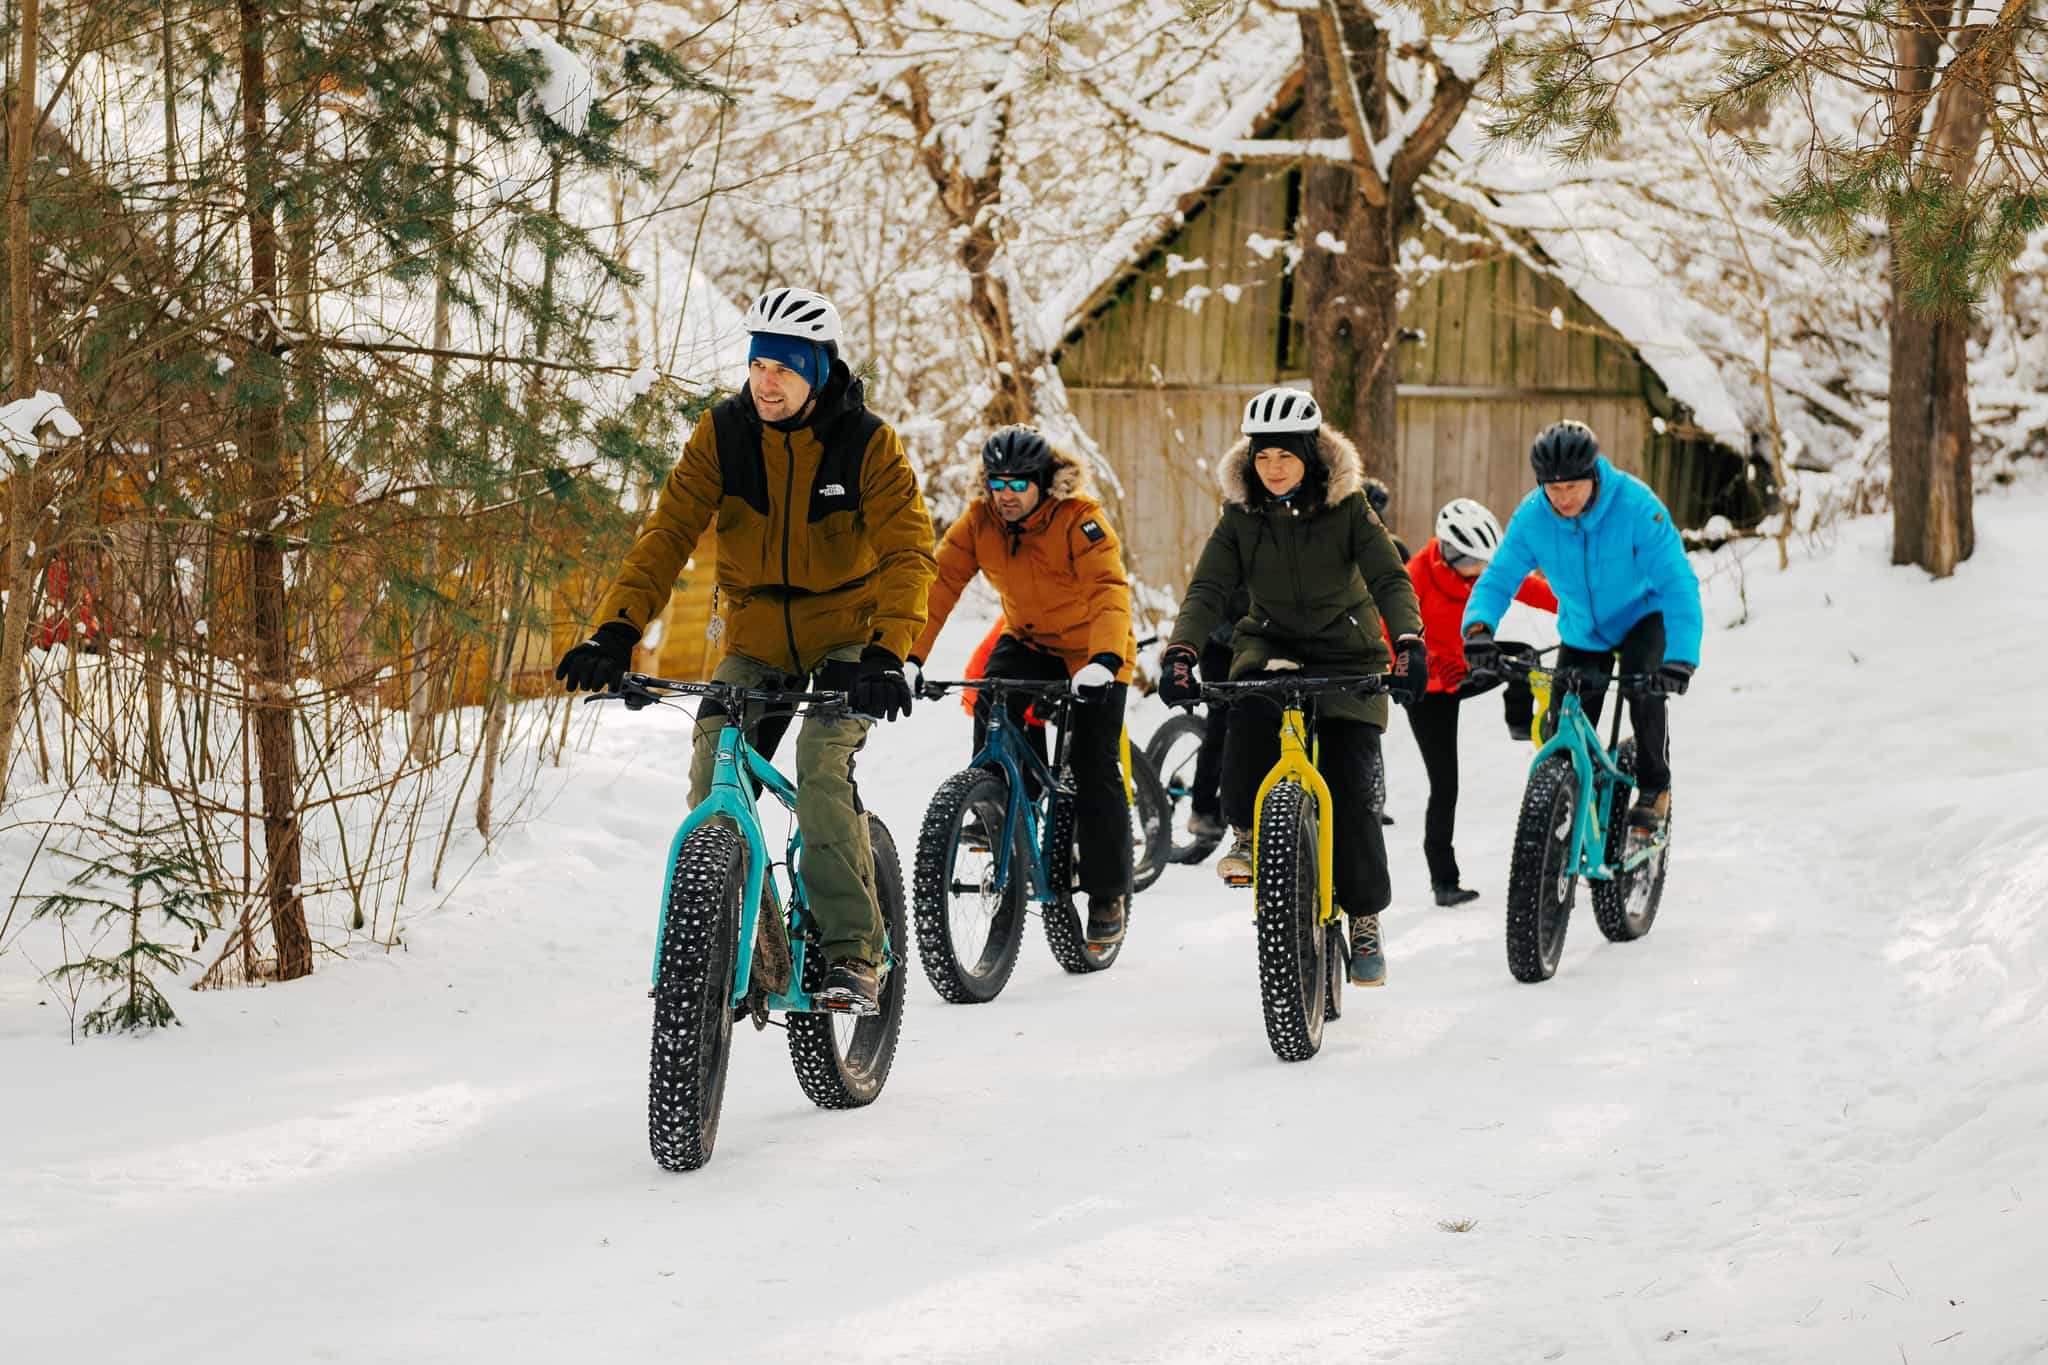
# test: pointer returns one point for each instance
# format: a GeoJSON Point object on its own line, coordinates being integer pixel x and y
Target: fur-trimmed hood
{"type": "Point", "coordinates": [1071, 477]}
{"type": "Point", "coordinates": [1341, 461]}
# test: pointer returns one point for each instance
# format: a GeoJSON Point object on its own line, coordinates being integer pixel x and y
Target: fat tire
{"type": "Point", "coordinates": [1335, 953]}
{"type": "Point", "coordinates": [1293, 944]}
{"type": "Point", "coordinates": [1538, 914]}
{"type": "Point", "coordinates": [1151, 823]}
{"type": "Point", "coordinates": [848, 1078]}
{"type": "Point", "coordinates": [938, 843]}
{"type": "Point", "coordinates": [1610, 898]}
{"type": "Point", "coordinates": [1194, 848]}
{"type": "Point", "coordinates": [692, 1043]}
{"type": "Point", "coordinates": [1065, 934]}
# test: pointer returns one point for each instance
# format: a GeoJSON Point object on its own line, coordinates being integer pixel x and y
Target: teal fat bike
{"type": "Point", "coordinates": [735, 940]}
{"type": "Point", "coordinates": [1574, 824]}
{"type": "Point", "coordinates": [998, 839]}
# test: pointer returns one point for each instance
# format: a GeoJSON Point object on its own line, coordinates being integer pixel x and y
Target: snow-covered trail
{"type": "Point", "coordinates": [1806, 1119]}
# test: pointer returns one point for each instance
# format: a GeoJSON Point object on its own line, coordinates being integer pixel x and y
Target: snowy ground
{"type": "Point", "coordinates": [1806, 1119]}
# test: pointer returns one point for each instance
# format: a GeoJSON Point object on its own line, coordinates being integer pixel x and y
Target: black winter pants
{"type": "Point", "coordinates": [1434, 720]}
{"type": "Point", "coordinates": [1347, 751]}
{"type": "Point", "coordinates": [1209, 760]}
{"type": "Point", "coordinates": [1642, 651]}
{"type": "Point", "coordinates": [1102, 813]}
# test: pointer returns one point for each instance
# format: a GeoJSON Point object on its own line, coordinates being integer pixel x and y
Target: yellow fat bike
{"type": "Point", "coordinates": [1303, 956]}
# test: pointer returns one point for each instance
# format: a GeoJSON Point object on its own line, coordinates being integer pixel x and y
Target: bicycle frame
{"type": "Point", "coordinates": [1005, 749]}
{"type": "Point", "coordinates": [1598, 775]}
{"type": "Point", "coordinates": [1297, 764]}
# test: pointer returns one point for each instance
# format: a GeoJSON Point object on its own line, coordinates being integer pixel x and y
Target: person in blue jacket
{"type": "Point", "coordinates": [1608, 548]}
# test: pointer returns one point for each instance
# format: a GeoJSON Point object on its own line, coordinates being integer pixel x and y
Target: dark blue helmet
{"type": "Point", "coordinates": [1564, 451]}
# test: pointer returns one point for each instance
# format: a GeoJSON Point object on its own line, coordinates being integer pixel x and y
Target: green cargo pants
{"type": "Point", "coordinates": [837, 865]}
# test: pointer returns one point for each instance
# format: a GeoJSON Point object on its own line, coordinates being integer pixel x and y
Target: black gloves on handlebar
{"type": "Point", "coordinates": [1482, 653]}
{"type": "Point", "coordinates": [1177, 685]}
{"type": "Point", "coordinates": [879, 687]}
{"type": "Point", "coordinates": [598, 664]}
{"type": "Point", "coordinates": [1409, 677]}
{"type": "Point", "coordinates": [1673, 678]}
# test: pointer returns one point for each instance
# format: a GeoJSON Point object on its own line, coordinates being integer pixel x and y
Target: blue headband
{"type": "Point", "coordinates": [806, 358]}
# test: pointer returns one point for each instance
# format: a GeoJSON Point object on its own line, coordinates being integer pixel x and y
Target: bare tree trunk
{"type": "Point", "coordinates": [16, 575]}
{"type": "Point", "coordinates": [269, 661]}
{"type": "Point", "coordinates": [1933, 523]}
{"type": "Point", "coordinates": [1353, 218]}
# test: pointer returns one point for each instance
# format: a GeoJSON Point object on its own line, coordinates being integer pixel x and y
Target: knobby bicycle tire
{"type": "Point", "coordinates": [692, 1044]}
{"type": "Point", "coordinates": [1541, 880]}
{"type": "Point", "coordinates": [936, 881]}
{"type": "Point", "coordinates": [1626, 906]}
{"type": "Point", "coordinates": [847, 1072]}
{"type": "Point", "coordinates": [1293, 946]}
{"type": "Point", "coordinates": [1065, 934]}
{"type": "Point", "coordinates": [1151, 823]}
{"type": "Point", "coordinates": [1175, 778]}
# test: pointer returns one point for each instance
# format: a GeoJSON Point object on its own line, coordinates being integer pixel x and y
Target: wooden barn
{"type": "Point", "coordinates": [1162, 353]}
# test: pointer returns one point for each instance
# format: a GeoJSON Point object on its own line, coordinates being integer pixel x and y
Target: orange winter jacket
{"type": "Point", "coordinates": [1059, 573]}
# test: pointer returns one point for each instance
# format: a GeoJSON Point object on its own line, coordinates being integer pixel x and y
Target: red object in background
{"type": "Point", "coordinates": [67, 616]}
{"type": "Point", "coordinates": [977, 667]}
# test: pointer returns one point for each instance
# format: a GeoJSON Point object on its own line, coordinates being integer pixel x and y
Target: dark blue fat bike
{"type": "Point", "coordinates": [1574, 824]}
{"type": "Point", "coordinates": [998, 840]}
{"type": "Point", "coordinates": [735, 939]}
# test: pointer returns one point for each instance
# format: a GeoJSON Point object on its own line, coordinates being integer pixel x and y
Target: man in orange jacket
{"type": "Point", "coordinates": [1053, 560]}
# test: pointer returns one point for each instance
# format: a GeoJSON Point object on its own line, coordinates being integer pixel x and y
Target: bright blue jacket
{"type": "Point", "coordinates": [1610, 566]}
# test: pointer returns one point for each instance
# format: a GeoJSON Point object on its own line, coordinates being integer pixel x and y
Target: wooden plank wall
{"type": "Point", "coordinates": [1160, 386]}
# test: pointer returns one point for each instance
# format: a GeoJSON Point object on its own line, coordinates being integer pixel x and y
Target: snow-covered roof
{"type": "Point", "coordinates": [1583, 240]}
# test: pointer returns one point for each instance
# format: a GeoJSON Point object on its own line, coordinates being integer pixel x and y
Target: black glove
{"type": "Point", "coordinates": [879, 687]}
{"type": "Point", "coordinates": [1409, 677]}
{"type": "Point", "coordinates": [1482, 653]}
{"type": "Point", "coordinates": [600, 662]}
{"type": "Point", "coordinates": [1672, 678]}
{"type": "Point", "coordinates": [1177, 685]}
{"type": "Point", "coordinates": [1092, 683]}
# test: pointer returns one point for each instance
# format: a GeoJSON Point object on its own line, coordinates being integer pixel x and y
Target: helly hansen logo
{"type": "Point", "coordinates": [1092, 529]}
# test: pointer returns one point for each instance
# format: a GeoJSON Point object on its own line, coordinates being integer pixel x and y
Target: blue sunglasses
{"type": "Point", "coordinates": [1008, 485]}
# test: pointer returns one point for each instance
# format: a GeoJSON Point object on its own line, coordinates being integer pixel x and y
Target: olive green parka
{"type": "Point", "coordinates": [1327, 585]}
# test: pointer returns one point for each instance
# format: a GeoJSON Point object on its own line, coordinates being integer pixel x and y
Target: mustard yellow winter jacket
{"type": "Point", "coordinates": [823, 537]}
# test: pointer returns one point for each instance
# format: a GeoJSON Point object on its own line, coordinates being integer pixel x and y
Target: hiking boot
{"type": "Point", "coordinates": [852, 986]}
{"type": "Point", "coordinates": [1368, 963]}
{"type": "Point", "coordinates": [1519, 730]}
{"type": "Point", "coordinates": [1206, 826]}
{"type": "Point", "coordinates": [974, 833]}
{"type": "Point", "coordinates": [1454, 894]}
{"type": "Point", "coordinates": [1386, 819]}
{"type": "Point", "coordinates": [1650, 811]}
{"type": "Point", "coordinates": [1105, 921]}
{"type": "Point", "coordinates": [1236, 865]}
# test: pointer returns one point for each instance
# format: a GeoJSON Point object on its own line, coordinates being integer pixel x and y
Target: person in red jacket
{"type": "Point", "coordinates": [1443, 572]}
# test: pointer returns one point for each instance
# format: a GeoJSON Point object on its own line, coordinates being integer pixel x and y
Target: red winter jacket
{"type": "Point", "coordinates": [1442, 591]}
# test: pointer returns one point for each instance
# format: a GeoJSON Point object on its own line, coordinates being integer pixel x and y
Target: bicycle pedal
{"type": "Point", "coordinates": [841, 1005]}
{"type": "Point", "coordinates": [1237, 881]}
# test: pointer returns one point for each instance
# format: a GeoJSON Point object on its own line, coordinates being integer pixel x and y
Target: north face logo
{"type": "Point", "coordinates": [832, 490]}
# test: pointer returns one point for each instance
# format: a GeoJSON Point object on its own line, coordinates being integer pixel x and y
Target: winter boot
{"type": "Point", "coordinates": [1368, 963]}
{"type": "Point", "coordinates": [852, 987]}
{"type": "Point", "coordinates": [1105, 921]}
{"type": "Point", "coordinates": [1206, 826]}
{"type": "Point", "coordinates": [1650, 812]}
{"type": "Point", "coordinates": [1235, 866]}
{"type": "Point", "coordinates": [1519, 730]}
{"type": "Point", "coordinates": [1454, 894]}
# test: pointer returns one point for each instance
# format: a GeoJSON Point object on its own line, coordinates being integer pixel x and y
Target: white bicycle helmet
{"type": "Point", "coordinates": [1279, 412]}
{"type": "Point", "coordinates": [1467, 529]}
{"type": "Point", "coordinates": [799, 313]}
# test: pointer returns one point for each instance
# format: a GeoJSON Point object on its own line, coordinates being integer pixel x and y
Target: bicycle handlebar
{"type": "Point", "coordinates": [1362, 685]}
{"type": "Point", "coordinates": [639, 689]}
{"type": "Point", "coordinates": [1581, 679]}
{"type": "Point", "coordinates": [933, 689]}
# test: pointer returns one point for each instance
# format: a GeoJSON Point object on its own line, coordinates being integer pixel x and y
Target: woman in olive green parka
{"type": "Point", "coordinates": [1328, 591]}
